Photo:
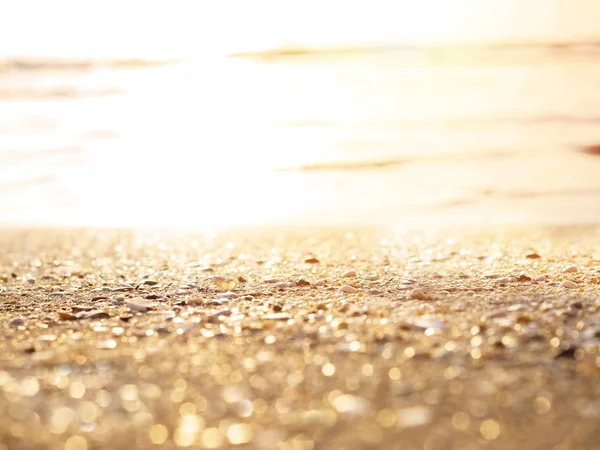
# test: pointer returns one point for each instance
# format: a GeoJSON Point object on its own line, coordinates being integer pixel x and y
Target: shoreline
{"type": "Point", "coordinates": [314, 338]}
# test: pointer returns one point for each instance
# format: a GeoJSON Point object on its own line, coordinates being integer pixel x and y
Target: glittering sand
{"type": "Point", "coordinates": [313, 339]}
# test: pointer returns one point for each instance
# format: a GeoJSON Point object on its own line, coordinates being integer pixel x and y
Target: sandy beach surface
{"type": "Point", "coordinates": [321, 338]}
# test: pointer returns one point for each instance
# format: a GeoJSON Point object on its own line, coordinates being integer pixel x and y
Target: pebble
{"type": "Point", "coordinates": [540, 278]}
{"type": "Point", "coordinates": [96, 314]}
{"type": "Point", "coordinates": [195, 301]}
{"type": "Point", "coordinates": [281, 285]}
{"type": "Point", "coordinates": [570, 269]}
{"type": "Point", "coordinates": [271, 280]}
{"type": "Point", "coordinates": [150, 283]}
{"type": "Point", "coordinates": [139, 304]}
{"type": "Point", "coordinates": [351, 405]}
{"type": "Point", "coordinates": [502, 280]}
{"type": "Point", "coordinates": [312, 261]}
{"type": "Point", "coordinates": [17, 321]}
{"type": "Point", "coordinates": [372, 277]}
{"type": "Point", "coordinates": [513, 279]}
{"type": "Point", "coordinates": [64, 315]}
{"type": "Point", "coordinates": [278, 316]}
{"type": "Point", "coordinates": [319, 283]}
{"type": "Point", "coordinates": [349, 274]}
{"type": "Point", "coordinates": [569, 285]}
{"type": "Point", "coordinates": [417, 294]}
{"type": "Point", "coordinates": [428, 323]}
{"type": "Point", "coordinates": [227, 295]}
{"type": "Point", "coordinates": [347, 289]}
{"type": "Point", "coordinates": [224, 284]}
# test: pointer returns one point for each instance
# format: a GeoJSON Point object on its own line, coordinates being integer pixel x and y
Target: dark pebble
{"type": "Point", "coordinates": [568, 353]}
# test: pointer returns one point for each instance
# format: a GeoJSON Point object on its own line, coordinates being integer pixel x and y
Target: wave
{"type": "Point", "coordinates": [307, 52]}
{"type": "Point", "coordinates": [369, 164]}
{"type": "Point", "coordinates": [454, 122]}
{"type": "Point", "coordinates": [65, 92]}
{"type": "Point", "coordinates": [31, 64]}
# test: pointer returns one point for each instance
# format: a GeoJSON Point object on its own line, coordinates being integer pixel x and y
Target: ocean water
{"type": "Point", "coordinates": [393, 135]}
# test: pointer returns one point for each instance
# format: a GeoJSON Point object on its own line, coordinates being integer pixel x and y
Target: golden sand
{"type": "Point", "coordinates": [313, 339]}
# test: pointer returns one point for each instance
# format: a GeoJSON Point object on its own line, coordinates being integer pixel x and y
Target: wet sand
{"type": "Point", "coordinates": [311, 339]}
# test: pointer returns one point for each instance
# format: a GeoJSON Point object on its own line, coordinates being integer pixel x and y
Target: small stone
{"type": "Point", "coordinates": [533, 255]}
{"type": "Point", "coordinates": [540, 278]}
{"type": "Point", "coordinates": [96, 314]}
{"type": "Point", "coordinates": [570, 269]}
{"type": "Point", "coordinates": [491, 275]}
{"type": "Point", "coordinates": [224, 284]}
{"type": "Point", "coordinates": [280, 285]}
{"type": "Point", "coordinates": [17, 321]}
{"type": "Point", "coordinates": [64, 315]}
{"type": "Point", "coordinates": [351, 405]}
{"type": "Point", "coordinates": [414, 416]}
{"type": "Point", "coordinates": [502, 280]}
{"type": "Point", "coordinates": [372, 278]}
{"type": "Point", "coordinates": [271, 280]}
{"type": "Point", "coordinates": [302, 282]}
{"type": "Point", "coordinates": [349, 274]}
{"type": "Point", "coordinates": [523, 277]}
{"type": "Point", "coordinates": [513, 279]}
{"type": "Point", "coordinates": [123, 289]}
{"type": "Point", "coordinates": [291, 284]}
{"type": "Point", "coordinates": [227, 295]}
{"type": "Point", "coordinates": [312, 260]}
{"type": "Point", "coordinates": [277, 316]}
{"type": "Point", "coordinates": [568, 353]}
{"type": "Point", "coordinates": [140, 304]}
{"type": "Point", "coordinates": [417, 294]}
{"type": "Point", "coordinates": [428, 323]}
{"type": "Point", "coordinates": [194, 301]}
{"type": "Point", "coordinates": [319, 283]}
{"type": "Point", "coordinates": [347, 289]}
{"type": "Point", "coordinates": [149, 283]}
{"type": "Point", "coordinates": [214, 317]}
{"type": "Point", "coordinates": [517, 307]}
{"type": "Point", "coordinates": [568, 284]}
{"type": "Point", "coordinates": [152, 296]}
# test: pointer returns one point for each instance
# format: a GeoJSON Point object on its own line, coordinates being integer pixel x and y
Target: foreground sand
{"type": "Point", "coordinates": [313, 339]}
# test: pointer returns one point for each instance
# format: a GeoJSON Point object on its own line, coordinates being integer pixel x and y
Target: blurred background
{"type": "Point", "coordinates": [387, 112]}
